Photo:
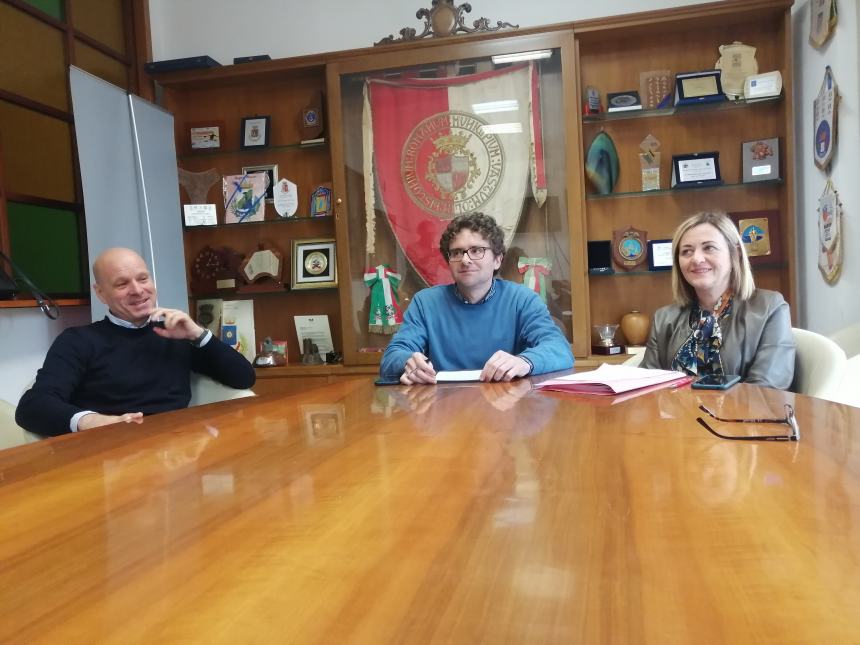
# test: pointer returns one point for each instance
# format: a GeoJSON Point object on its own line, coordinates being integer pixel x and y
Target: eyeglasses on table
{"type": "Point", "coordinates": [790, 420]}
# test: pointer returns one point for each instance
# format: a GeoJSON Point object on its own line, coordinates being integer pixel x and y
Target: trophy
{"type": "Point", "coordinates": [606, 346]}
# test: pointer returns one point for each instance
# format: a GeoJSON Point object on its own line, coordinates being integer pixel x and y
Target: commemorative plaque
{"type": "Point", "coordinates": [760, 160]}
{"type": "Point", "coordinates": [737, 62]}
{"type": "Point", "coordinates": [262, 270]}
{"type": "Point", "coordinates": [215, 268]}
{"type": "Point", "coordinates": [629, 248]}
{"type": "Point", "coordinates": [692, 88]}
{"type": "Point", "coordinates": [696, 169]}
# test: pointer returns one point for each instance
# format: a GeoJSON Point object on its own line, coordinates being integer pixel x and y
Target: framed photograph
{"type": "Point", "coordinates": [760, 159]}
{"type": "Point", "coordinates": [271, 170]}
{"type": "Point", "coordinates": [314, 264]}
{"type": "Point", "coordinates": [696, 169]}
{"type": "Point", "coordinates": [205, 135]}
{"type": "Point", "coordinates": [323, 423]}
{"type": "Point", "coordinates": [255, 132]}
{"type": "Point", "coordinates": [659, 255]}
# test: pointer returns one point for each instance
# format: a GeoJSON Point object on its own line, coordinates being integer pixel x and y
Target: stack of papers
{"type": "Point", "coordinates": [608, 380]}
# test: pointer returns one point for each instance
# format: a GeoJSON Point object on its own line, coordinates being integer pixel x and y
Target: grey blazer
{"type": "Point", "coordinates": [757, 340]}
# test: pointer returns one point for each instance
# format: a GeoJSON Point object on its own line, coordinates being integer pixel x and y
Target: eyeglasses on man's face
{"type": "Point", "coordinates": [474, 253]}
{"type": "Point", "coordinates": [790, 420]}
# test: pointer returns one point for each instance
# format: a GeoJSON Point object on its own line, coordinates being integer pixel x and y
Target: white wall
{"type": "Point", "coordinates": [224, 29]}
{"type": "Point", "coordinates": [825, 308]}
{"type": "Point", "coordinates": [25, 336]}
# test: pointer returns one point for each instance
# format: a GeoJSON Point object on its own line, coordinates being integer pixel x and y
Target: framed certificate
{"type": "Point", "coordinates": [696, 169]}
{"type": "Point", "coordinates": [659, 255]}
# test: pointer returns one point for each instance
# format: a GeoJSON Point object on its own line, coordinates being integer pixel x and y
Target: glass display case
{"type": "Point", "coordinates": [422, 143]}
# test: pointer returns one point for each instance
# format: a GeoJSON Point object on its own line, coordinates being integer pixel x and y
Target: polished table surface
{"type": "Point", "coordinates": [451, 514]}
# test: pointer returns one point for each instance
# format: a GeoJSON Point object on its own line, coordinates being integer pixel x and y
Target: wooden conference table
{"type": "Point", "coordinates": [451, 514]}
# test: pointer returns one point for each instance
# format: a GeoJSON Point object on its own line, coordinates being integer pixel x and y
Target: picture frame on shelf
{"type": "Point", "coordinates": [255, 132]}
{"type": "Point", "coordinates": [271, 169]}
{"type": "Point", "coordinates": [314, 264]}
{"type": "Point", "coordinates": [659, 255]}
{"type": "Point", "coordinates": [205, 135]}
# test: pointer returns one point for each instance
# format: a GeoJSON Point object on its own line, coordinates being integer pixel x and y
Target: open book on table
{"type": "Point", "coordinates": [608, 380]}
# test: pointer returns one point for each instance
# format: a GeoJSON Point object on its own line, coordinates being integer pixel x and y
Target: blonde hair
{"type": "Point", "coordinates": [740, 280]}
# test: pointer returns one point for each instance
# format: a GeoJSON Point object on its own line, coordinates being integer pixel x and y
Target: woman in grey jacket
{"type": "Point", "coordinates": [720, 323]}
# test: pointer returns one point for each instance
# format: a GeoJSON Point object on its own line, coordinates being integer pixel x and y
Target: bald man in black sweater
{"type": "Point", "coordinates": [134, 362]}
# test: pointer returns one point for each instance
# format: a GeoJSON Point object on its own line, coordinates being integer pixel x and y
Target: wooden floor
{"type": "Point", "coordinates": [450, 514]}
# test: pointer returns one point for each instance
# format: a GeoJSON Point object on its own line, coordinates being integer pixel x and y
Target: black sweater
{"type": "Point", "coordinates": [113, 370]}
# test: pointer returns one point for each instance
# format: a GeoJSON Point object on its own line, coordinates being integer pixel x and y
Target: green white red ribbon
{"type": "Point", "coordinates": [535, 271]}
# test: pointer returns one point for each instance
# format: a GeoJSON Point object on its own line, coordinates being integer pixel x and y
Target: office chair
{"type": "Point", "coordinates": [11, 434]}
{"type": "Point", "coordinates": [819, 365]}
{"type": "Point", "coordinates": [848, 339]}
{"type": "Point", "coordinates": [207, 390]}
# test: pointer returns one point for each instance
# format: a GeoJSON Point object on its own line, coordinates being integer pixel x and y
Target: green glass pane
{"type": "Point", "coordinates": [45, 244]}
{"type": "Point", "coordinates": [53, 8]}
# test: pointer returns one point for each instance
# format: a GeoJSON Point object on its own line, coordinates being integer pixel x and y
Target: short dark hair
{"type": "Point", "coordinates": [483, 225]}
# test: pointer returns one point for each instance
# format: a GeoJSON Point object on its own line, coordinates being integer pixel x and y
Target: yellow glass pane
{"type": "Point", "coordinates": [102, 20]}
{"type": "Point", "coordinates": [32, 58]}
{"type": "Point", "coordinates": [38, 153]}
{"type": "Point", "coordinates": [98, 64]}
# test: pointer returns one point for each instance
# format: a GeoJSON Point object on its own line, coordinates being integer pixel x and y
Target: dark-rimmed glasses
{"type": "Point", "coordinates": [790, 420]}
{"type": "Point", "coordinates": [474, 253]}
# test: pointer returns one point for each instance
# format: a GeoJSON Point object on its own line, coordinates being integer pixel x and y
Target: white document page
{"type": "Point", "coordinates": [316, 328]}
{"type": "Point", "coordinates": [458, 376]}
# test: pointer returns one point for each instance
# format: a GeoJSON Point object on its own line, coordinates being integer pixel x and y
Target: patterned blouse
{"type": "Point", "coordinates": [700, 353]}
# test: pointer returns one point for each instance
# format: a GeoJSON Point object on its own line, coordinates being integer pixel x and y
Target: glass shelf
{"type": "Point", "coordinates": [668, 272]}
{"type": "Point", "coordinates": [250, 151]}
{"type": "Point", "coordinates": [280, 220]}
{"type": "Point", "coordinates": [676, 191]}
{"type": "Point", "coordinates": [676, 110]}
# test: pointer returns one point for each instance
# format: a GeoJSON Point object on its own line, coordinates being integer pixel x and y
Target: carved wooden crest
{"type": "Point", "coordinates": [445, 19]}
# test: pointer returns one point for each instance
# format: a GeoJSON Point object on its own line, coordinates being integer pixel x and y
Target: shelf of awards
{"type": "Point", "coordinates": [279, 220]}
{"type": "Point", "coordinates": [214, 152]}
{"type": "Point", "coordinates": [678, 191]}
{"type": "Point", "coordinates": [676, 110]}
{"type": "Point", "coordinates": [756, 266]}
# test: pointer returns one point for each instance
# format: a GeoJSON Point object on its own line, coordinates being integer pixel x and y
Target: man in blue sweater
{"type": "Point", "coordinates": [136, 361]}
{"type": "Point", "coordinates": [479, 322]}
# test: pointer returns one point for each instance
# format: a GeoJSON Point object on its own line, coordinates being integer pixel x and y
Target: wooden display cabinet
{"type": "Point", "coordinates": [607, 53]}
{"type": "Point", "coordinates": [611, 53]}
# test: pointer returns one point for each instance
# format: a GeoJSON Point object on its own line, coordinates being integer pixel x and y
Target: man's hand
{"type": "Point", "coordinates": [504, 367]}
{"type": "Point", "coordinates": [418, 369]}
{"type": "Point", "coordinates": [177, 324]}
{"type": "Point", "coordinates": [94, 420]}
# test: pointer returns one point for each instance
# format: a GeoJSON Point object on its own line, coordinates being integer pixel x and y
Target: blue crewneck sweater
{"type": "Point", "coordinates": [456, 335]}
